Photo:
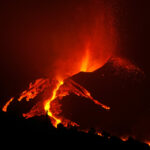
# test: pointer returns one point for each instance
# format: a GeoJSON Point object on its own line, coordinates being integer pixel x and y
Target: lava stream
{"type": "Point", "coordinates": [62, 89]}
{"type": "Point", "coordinates": [47, 105]}
{"type": "Point", "coordinates": [55, 90]}
{"type": "Point", "coordinates": [7, 104]}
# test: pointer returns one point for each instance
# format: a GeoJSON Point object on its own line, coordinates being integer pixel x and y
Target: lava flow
{"type": "Point", "coordinates": [47, 105]}
{"type": "Point", "coordinates": [55, 91]}
{"type": "Point", "coordinates": [58, 90]}
{"type": "Point", "coordinates": [7, 104]}
{"type": "Point", "coordinates": [62, 89]}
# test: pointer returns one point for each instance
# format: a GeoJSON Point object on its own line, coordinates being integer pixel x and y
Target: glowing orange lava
{"type": "Point", "coordinates": [48, 104]}
{"type": "Point", "coordinates": [124, 138]}
{"type": "Point", "coordinates": [147, 142]}
{"type": "Point", "coordinates": [61, 88]}
{"type": "Point", "coordinates": [99, 133]}
{"type": "Point", "coordinates": [33, 90]}
{"type": "Point", "coordinates": [58, 88]}
{"type": "Point", "coordinates": [85, 62]}
{"type": "Point", "coordinates": [7, 104]}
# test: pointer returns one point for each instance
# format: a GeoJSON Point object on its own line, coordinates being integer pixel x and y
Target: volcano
{"type": "Point", "coordinates": [115, 87]}
{"type": "Point", "coordinates": [75, 68]}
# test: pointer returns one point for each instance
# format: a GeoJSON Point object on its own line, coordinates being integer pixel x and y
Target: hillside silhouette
{"type": "Point", "coordinates": [40, 130]}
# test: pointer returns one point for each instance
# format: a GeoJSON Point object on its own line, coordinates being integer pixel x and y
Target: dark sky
{"type": "Point", "coordinates": [134, 30]}
{"type": "Point", "coordinates": [35, 34]}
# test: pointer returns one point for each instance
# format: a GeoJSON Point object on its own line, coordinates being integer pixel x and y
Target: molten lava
{"type": "Point", "coordinates": [7, 104]}
{"type": "Point", "coordinates": [61, 89]}
{"type": "Point", "coordinates": [124, 138]}
{"type": "Point", "coordinates": [47, 105]}
{"type": "Point", "coordinates": [33, 90]}
{"type": "Point", "coordinates": [55, 90]}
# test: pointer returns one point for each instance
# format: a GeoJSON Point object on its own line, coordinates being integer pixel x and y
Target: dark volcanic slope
{"type": "Point", "coordinates": [122, 87]}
